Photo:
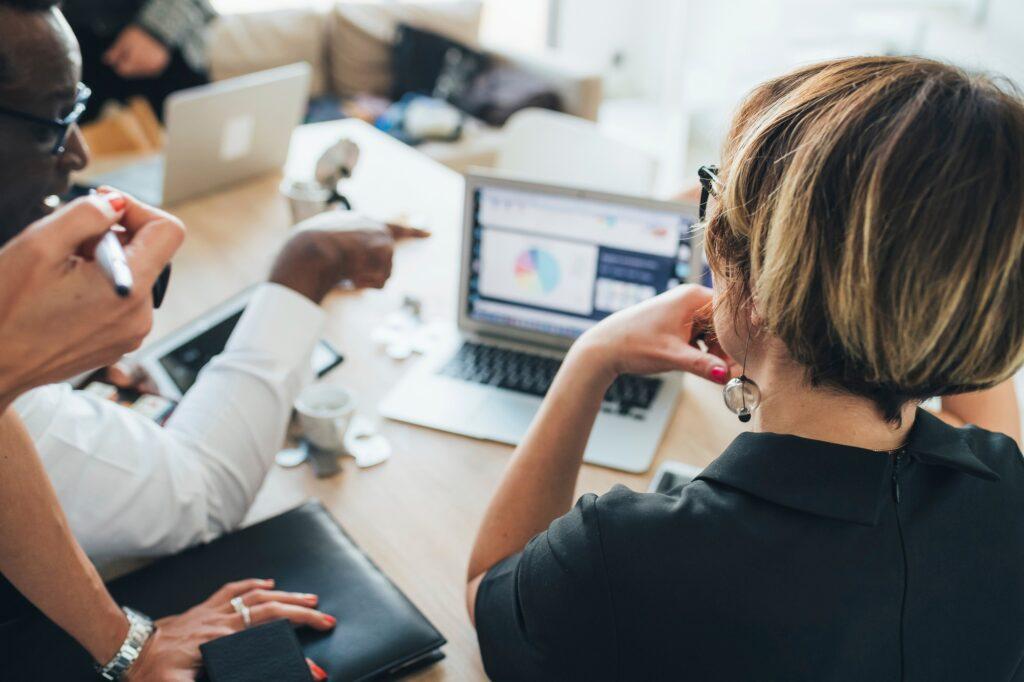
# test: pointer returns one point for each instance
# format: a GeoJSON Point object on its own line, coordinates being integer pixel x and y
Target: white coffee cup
{"type": "Point", "coordinates": [305, 198]}
{"type": "Point", "coordinates": [325, 411]}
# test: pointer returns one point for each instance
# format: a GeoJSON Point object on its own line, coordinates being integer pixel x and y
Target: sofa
{"type": "Point", "coordinates": [348, 45]}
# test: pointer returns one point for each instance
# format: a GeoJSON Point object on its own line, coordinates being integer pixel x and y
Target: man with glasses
{"type": "Point", "coordinates": [40, 100]}
{"type": "Point", "coordinates": [128, 486]}
{"type": "Point", "coordinates": [58, 128]}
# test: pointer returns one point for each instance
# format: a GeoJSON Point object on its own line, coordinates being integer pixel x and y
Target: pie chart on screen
{"type": "Point", "coordinates": [537, 271]}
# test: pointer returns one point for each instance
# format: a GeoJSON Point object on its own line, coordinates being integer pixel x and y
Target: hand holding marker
{"type": "Point", "coordinates": [111, 256]}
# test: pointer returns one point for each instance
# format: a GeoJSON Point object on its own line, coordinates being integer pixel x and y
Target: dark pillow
{"type": "Point", "coordinates": [418, 57]}
{"type": "Point", "coordinates": [497, 93]}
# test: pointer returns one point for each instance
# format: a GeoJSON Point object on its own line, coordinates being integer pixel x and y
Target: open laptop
{"type": "Point", "coordinates": [540, 265]}
{"type": "Point", "coordinates": [220, 134]}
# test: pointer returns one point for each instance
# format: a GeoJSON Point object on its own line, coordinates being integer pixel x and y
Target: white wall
{"type": "Point", "coordinates": [696, 59]}
{"type": "Point", "coordinates": [594, 30]}
{"type": "Point", "coordinates": [518, 25]}
{"type": "Point", "coordinates": [995, 45]}
{"type": "Point", "coordinates": [740, 42]}
{"type": "Point", "coordinates": [640, 30]}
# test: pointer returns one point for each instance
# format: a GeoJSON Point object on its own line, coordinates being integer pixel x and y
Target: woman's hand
{"type": "Point", "coordinates": [172, 653]}
{"type": "Point", "coordinates": [59, 314]}
{"type": "Point", "coordinates": [658, 335]}
{"type": "Point", "coordinates": [127, 374]}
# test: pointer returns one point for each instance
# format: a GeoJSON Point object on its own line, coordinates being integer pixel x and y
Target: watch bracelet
{"type": "Point", "coordinates": [140, 629]}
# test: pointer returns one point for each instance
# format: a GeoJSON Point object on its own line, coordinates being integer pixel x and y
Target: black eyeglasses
{"type": "Point", "coordinates": [59, 128]}
{"type": "Point", "coordinates": [710, 186]}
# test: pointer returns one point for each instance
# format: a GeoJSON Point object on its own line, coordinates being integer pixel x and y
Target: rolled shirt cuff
{"type": "Point", "coordinates": [280, 322]}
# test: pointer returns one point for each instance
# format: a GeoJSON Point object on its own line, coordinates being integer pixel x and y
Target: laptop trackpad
{"type": "Point", "coordinates": [506, 416]}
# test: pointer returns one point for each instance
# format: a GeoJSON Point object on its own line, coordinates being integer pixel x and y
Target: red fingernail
{"type": "Point", "coordinates": [330, 620]}
{"type": "Point", "coordinates": [117, 202]}
{"type": "Point", "coordinates": [319, 674]}
{"type": "Point", "coordinates": [718, 374]}
{"type": "Point", "coordinates": [310, 598]}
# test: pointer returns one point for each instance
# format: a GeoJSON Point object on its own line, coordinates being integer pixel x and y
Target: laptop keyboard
{"type": "Point", "coordinates": [533, 374]}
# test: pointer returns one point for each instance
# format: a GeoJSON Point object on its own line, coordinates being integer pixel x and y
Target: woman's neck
{"type": "Point", "coordinates": [790, 405]}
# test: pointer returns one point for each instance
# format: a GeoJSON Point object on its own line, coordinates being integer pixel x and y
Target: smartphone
{"type": "Point", "coordinates": [155, 407]}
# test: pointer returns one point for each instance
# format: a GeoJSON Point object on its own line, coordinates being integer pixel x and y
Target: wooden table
{"type": "Point", "coordinates": [415, 515]}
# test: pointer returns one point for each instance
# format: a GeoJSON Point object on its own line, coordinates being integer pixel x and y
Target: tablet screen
{"type": "Point", "coordinates": [184, 363]}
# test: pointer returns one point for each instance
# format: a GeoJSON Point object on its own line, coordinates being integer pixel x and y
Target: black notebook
{"type": "Point", "coordinates": [263, 652]}
{"type": "Point", "coordinates": [379, 634]}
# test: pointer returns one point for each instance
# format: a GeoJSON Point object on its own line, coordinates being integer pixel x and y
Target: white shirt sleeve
{"type": "Point", "coordinates": [131, 488]}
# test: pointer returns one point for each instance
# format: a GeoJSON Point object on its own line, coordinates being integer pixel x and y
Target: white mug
{"type": "Point", "coordinates": [325, 411]}
{"type": "Point", "coordinates": [305, 199]}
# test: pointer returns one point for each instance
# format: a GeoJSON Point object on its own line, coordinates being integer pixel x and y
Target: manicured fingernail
{"type": "Point", "coordinates": [268, 581]}
{"type": "Point", "coordinates": [105, 204]}
{"type": "Point", "coordinates": [311, 598]}
{"type": "Point", "coordinates": [719, 374]}
{"type": "Point", "coordinates": [330, 620]}
{"type": "Point", "coordinates": [319, 674]}
{"type": "Point", "coordinates": [117, 202]}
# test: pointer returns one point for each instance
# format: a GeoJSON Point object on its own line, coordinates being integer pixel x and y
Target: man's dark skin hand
{"type": "Point", "coordinates": [338, 246]}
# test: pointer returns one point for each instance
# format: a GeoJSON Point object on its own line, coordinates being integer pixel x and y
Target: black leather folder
{"type": "Point", "coordinates": [380, 633]}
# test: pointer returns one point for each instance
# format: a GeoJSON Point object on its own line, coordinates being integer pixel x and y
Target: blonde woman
{"type": "Point", "coordinates": [866, 238]}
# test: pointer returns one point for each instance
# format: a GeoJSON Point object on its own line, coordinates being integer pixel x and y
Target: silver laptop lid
{"type": "Point", "coordinates": [542, 263]}
{"type": "Point", "coordinates": [231, 130]}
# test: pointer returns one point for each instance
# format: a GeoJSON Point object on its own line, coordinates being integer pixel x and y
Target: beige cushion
{"type": "Point", "coordinates": [244, 43]}
{"type": "Point", "coordinates": [360, 35]}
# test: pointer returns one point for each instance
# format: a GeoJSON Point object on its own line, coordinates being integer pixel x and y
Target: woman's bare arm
{"type": "Point", "coordinates": [995, 409]}
{"type": "Point", "coordinates": [39, 555]}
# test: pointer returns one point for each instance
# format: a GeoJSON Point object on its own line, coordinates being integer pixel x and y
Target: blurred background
{"type": "Point", "coordinates": [672, 70]}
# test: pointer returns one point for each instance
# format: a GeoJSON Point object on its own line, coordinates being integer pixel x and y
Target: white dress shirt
{"type": "Point", "coordinates": [131, 488]}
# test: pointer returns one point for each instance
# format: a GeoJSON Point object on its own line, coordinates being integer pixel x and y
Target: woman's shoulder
{"type": "Point", "coordinates": [695, 498]}
{"type": "Point", "coordinates": [997, 451]}
{"type": "Point", "coordinates": [633, 518]}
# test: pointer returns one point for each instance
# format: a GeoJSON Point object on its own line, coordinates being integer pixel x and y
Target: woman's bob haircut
{"type": "Point", "coordinates": [871, 215]}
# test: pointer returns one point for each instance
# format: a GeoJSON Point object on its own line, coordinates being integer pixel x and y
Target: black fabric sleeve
{"type": "Point", "coordinates": [546, 613]}
{"type": "Point", "coordinates": [172, 22]}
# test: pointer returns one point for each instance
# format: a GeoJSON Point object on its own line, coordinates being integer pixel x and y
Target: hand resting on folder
{"type": "Point", "coordinates": [172, 653]}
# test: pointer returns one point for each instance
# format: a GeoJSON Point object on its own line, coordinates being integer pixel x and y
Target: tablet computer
{"type": "Point", "coordinates": [174, 362]}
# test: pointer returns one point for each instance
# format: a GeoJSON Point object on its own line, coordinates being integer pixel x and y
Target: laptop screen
{"type": "Point", "coordinates": [559, 264]}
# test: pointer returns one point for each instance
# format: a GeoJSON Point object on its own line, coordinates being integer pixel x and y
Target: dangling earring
{"type": "Point", "coordinates": [742, 395]}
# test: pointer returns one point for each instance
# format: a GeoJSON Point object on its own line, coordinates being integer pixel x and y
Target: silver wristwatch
{"type": "Point", "coordinates": [140, 628]}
